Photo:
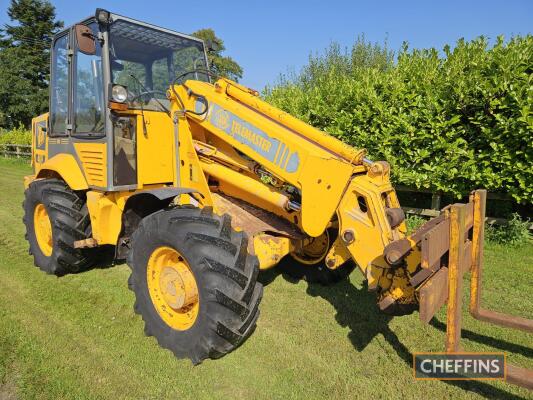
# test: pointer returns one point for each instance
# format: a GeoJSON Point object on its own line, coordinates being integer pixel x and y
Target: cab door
{"type": "Point", "coordinates": [50, 129]}
{"type": "Point", "coordinates": [87, 129]}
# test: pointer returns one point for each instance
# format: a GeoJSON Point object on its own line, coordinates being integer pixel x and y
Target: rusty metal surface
{"type": "Point", "coordinates": [455, 277]}
{"type": "Point", "coordinates": [397, 250]}
{"type": "Point", "coordinates": [386, 302]}
{"type": "Point", "coordinates": [467, 257]}
{"type": "Point", "coordinates": [420, 232]}
{"type": "Point", "coordinates": [253, 220]}
{"type": "Point", "coordinates": [509, 321]}
{"type": "Point", "coordinates": [478, 234]}
{"type": "Point", "coordinates": [433, 294]}
{"type": "Point", "coordinates": [469, 215]}
{"type": "Point", "coordinates": [477, 312]}
{"type": "Point", "coordinates": [395, 216]}
{"type": "Point", "coordinates": [420, 277]}
{"type": "Point", "coordinates": [423, 274]}
{"type": "Point", "coordinates": [435, 243]}
{"type": "Point", "coordinates": [519, 376]}
{"type": "Point", "coordinates": [464, 255]}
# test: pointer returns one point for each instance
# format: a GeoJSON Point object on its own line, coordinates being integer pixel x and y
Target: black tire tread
{"type": "Point", "coordinates": [228, 271]}
{"type": "Point", "coordinates": [228, 268]}
{"type": "Point", "coordinates": [70, 221]}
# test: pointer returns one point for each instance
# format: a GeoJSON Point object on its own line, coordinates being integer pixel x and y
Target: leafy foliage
{"type": "Point", "coordinates": [219, 64]}
{"type": "Point", "coordinates": [414, 222]}
{"type": "Point", "coordinates": [24, 61]}
{"type": "Point", "coordinates": [514, 233]}
{"type": "Point", "coordinates": [19, 135]}
{"type": "Point", "coordinates": [449, 122]}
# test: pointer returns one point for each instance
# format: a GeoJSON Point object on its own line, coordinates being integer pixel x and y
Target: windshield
{"type": "Point", "coordinates": [146, 61]}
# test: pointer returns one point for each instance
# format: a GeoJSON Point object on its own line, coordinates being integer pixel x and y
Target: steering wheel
{"type": "Point", "coordinates": [149, 92]}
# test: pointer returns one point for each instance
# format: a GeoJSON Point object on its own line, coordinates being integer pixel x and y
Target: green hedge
{"type": "Point", "coordinates": [15, 136]}
{"type": "Point", "coordinates": [450, 121]}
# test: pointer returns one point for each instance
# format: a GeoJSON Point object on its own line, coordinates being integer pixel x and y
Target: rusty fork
{"type": "Point", "coordinates": [515, 375]}
{"type": "Point", "coordinates": [460, 234]}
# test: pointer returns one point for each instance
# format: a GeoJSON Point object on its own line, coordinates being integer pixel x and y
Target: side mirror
{"type": "Point", "coordinates": [85, 39]}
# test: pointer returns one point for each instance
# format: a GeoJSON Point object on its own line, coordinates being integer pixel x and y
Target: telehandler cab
{"type": "Point", "coordinates": [199, 185]}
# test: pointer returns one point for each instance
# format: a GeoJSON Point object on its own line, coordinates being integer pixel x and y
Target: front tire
{"type": "Point", "coordinates": [195, 283]}
{"type": "Point", "coordinates": [55, 216]}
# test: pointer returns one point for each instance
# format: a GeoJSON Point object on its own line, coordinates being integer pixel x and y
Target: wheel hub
{"type": "Point", "coordinates": [313, 250]}
{"type": "Point", "coordinates": [172, 287]}
{"type": "Point", "coordinates": [43, 229]}
{"type": "Point", "coordinates": [178, 286]}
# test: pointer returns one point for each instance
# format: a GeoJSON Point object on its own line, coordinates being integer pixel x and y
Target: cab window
{"type": "Point", "coordinates": [59, 87]}
{"type": "Point", "coordinates": [146, 61]}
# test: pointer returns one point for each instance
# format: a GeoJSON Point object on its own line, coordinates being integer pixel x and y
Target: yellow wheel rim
{"type": "Point", "coordinates": [43, 229]}
{"type": "Point", "coordinates": [172, 288]}
{"type": "Point", "coordinates": [313, 250]}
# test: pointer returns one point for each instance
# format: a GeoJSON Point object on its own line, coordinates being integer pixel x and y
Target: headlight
{"type": "Point", "coordinates": [119, 94]}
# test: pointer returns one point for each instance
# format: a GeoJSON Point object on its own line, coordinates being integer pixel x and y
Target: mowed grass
{"type": "Point", "coordinates": [77, 336]}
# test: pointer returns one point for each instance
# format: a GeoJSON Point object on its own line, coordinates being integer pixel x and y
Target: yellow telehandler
{"type": "Point", "coordinates": [199, 185]}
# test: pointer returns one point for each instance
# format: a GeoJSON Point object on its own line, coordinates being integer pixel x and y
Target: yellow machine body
{"type": "Point", "coordinates": [219, 145]}
{"type": "Point", "coordinates": [185, 173]}
{"type": "Point", "coordinates": [228, 150]}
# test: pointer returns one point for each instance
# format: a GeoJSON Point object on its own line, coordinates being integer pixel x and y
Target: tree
{"type": "Point", "coordinates": [219, 64]}
{"type": "Point", "coordinates": [24, 61]}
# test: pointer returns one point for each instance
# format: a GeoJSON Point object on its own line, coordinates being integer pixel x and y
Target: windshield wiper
{"type": "Point", "coordinates": [146, 91]}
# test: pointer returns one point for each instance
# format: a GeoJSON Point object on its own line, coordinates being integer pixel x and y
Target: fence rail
{"type": "Point", "coordinates": [24, 151]}
{"type": "Point", "coordinates": [15, 150]}
{"type": "Point", "coordinates": [434, 211]}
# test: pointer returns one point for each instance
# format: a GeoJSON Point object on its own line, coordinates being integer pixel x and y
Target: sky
{"type": "Point", "coordinates": [268, 38]}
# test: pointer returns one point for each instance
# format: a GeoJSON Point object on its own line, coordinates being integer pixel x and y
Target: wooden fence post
{"type": "Point", "coordinates": [435, 201]}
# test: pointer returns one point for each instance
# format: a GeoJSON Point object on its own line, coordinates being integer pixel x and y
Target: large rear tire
{"type": "Point", "coordinates": [195, 283]}
{"type": "Point", "coordinates": [55, 216]}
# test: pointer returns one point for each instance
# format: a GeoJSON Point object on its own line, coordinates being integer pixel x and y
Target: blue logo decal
{"type": "Point", "coordinates": [270, 148]}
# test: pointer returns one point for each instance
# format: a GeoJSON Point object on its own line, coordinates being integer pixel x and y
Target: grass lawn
{"type": "Point", "coordinates": [77, 336]}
